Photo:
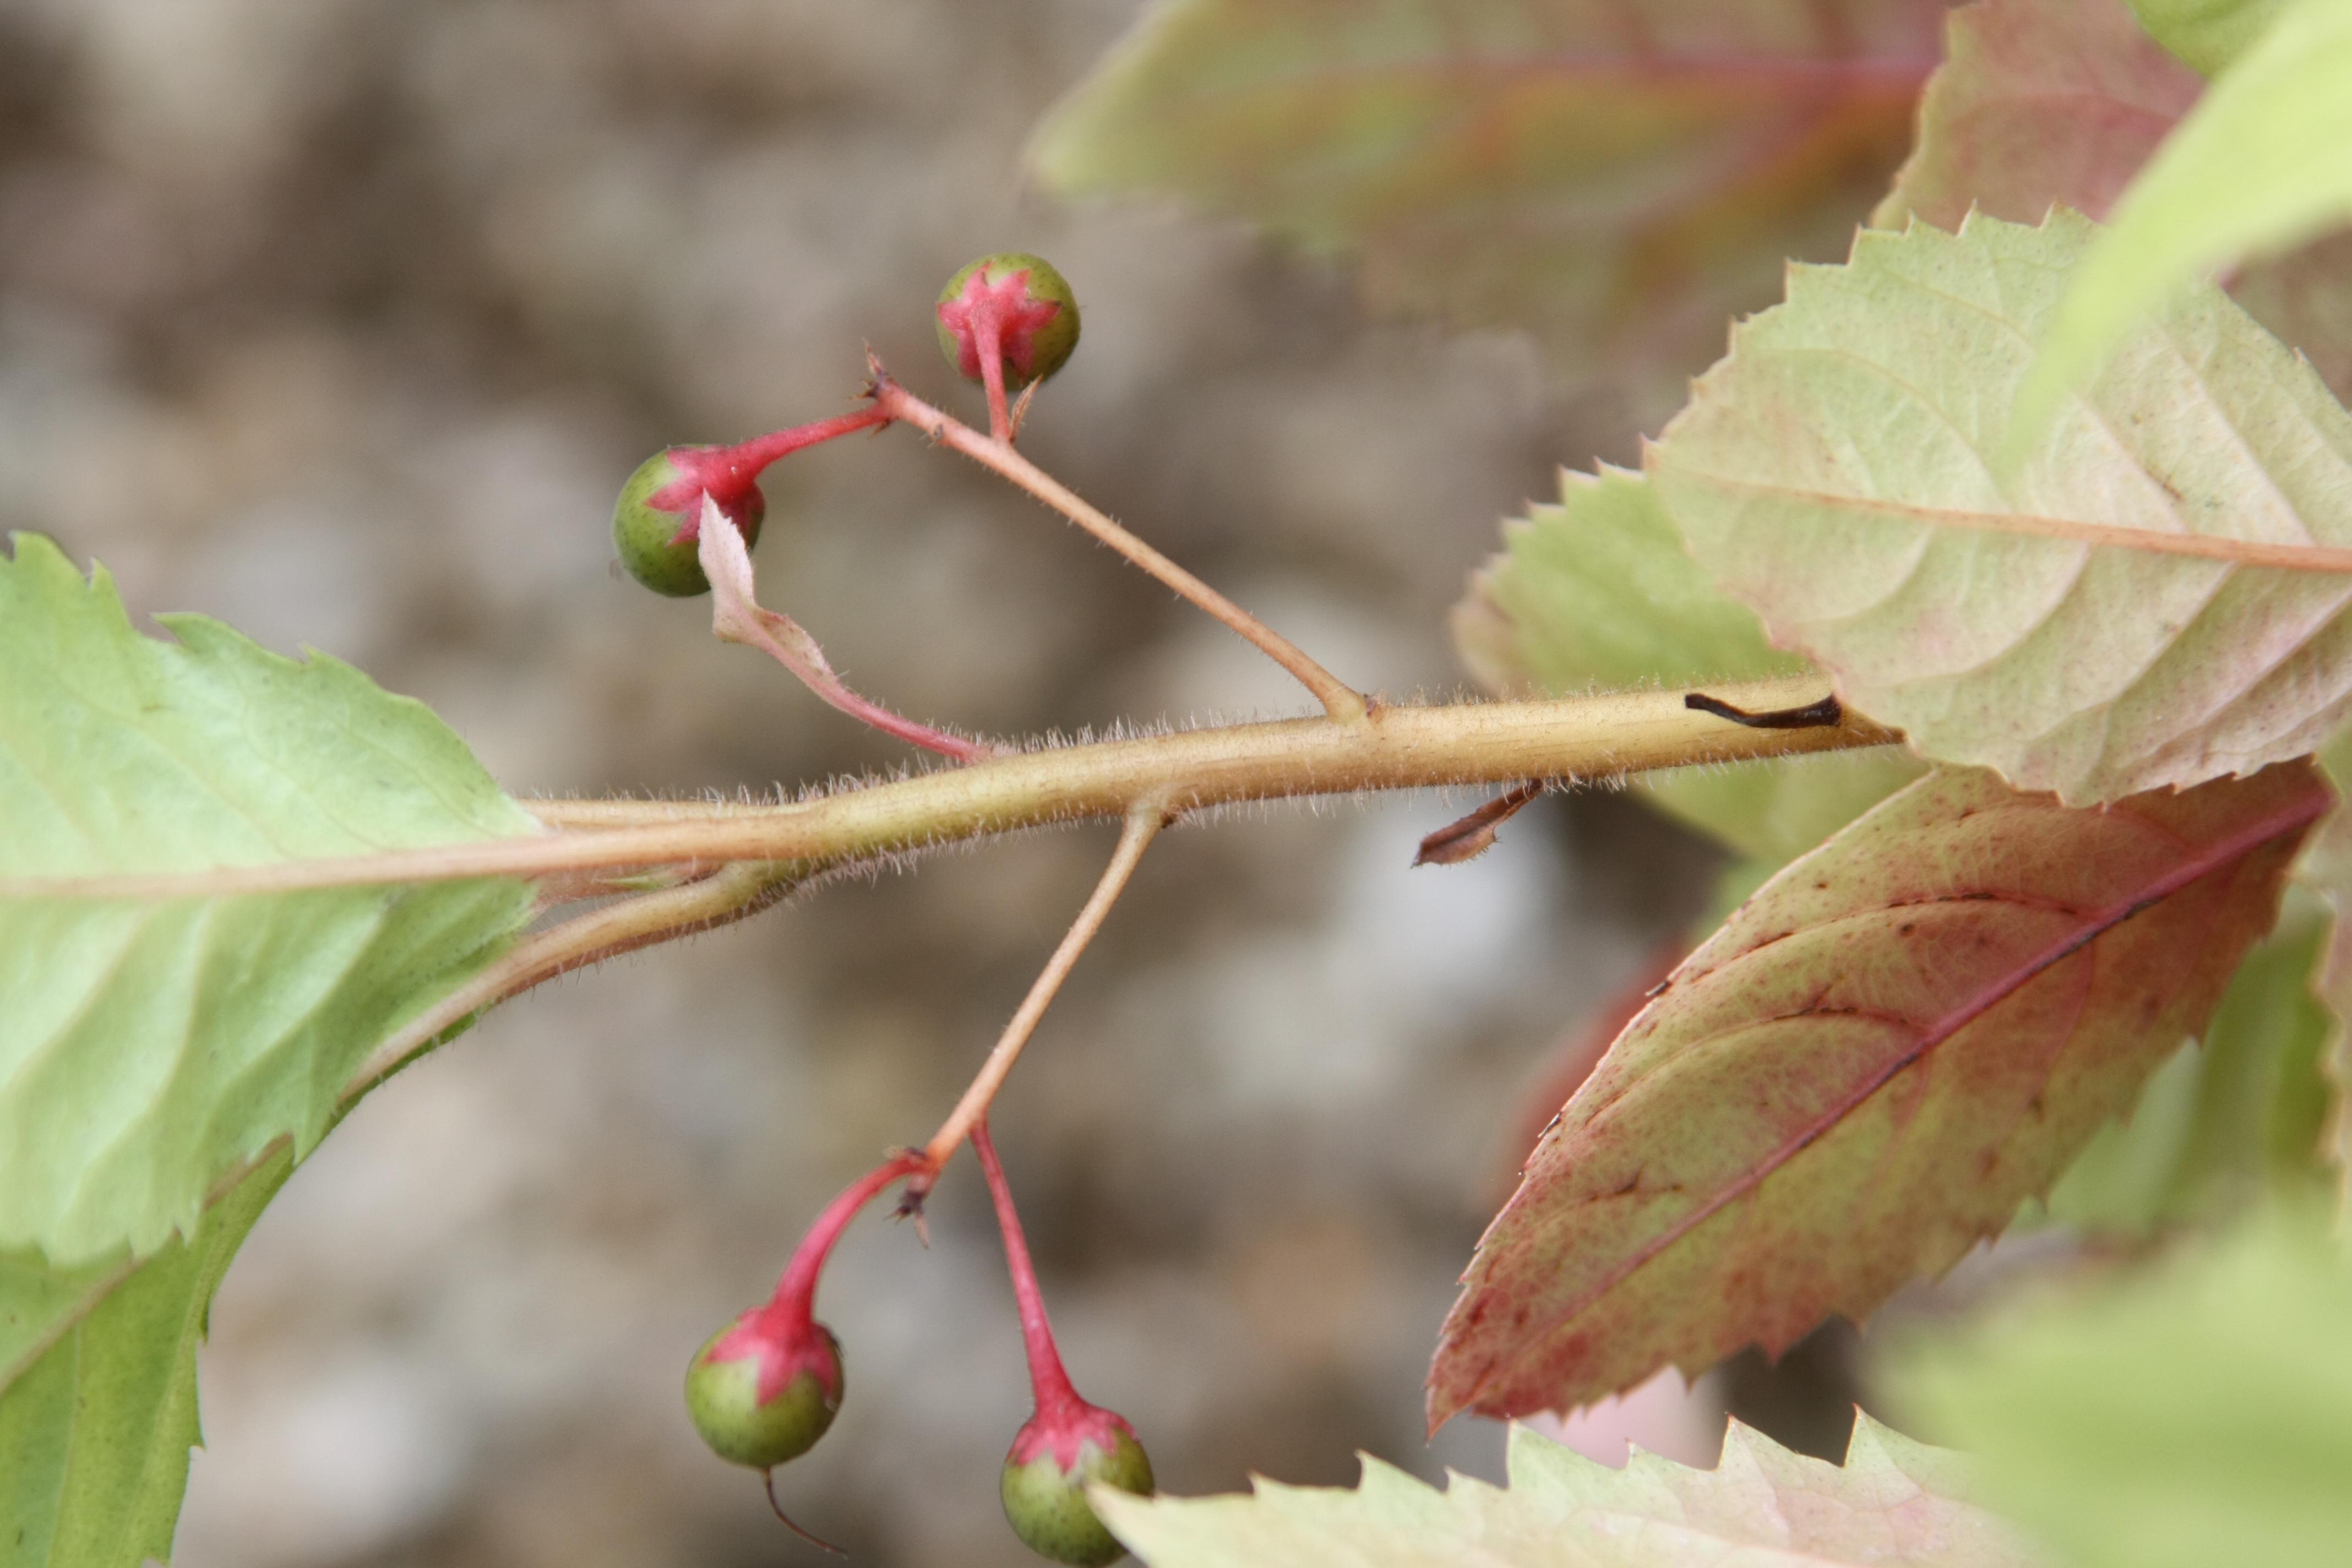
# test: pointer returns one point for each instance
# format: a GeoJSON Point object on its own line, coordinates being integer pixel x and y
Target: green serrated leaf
{"type": "Point", "coordinates": [151, 1046]}
{"type": "Point", "coordinates": [1904, 1036]}
{"type": "Point", "coordinates": [2207, 34]}
{"type": "Point", "coordinates": [1600, 591]}
{"type": "Point", "coordinates": [97, 1391]}
{"type": "Point", "coordinates": [2229, 1120]}
{"type": "Point", "coordinates": [1894, 1502]}
{"type": "Point", "coordinates": [1836, 472]}
{"type": "Point", "coordinates": [2177, 1420]}
{"type": "Point", "coordinates": [1617, 184]}
{"type": "Point", "coordinates": [2261, 164]}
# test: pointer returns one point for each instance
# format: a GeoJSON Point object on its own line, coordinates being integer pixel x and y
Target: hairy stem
{"type": "Point", "coordinates": [1340, 702]}
{"type": "Point", "coordinates": [1143, 825]}
{"type": "Point", "coordinates": [1396, 747]}
{"type": "Point", "coordinates": [734, 892]}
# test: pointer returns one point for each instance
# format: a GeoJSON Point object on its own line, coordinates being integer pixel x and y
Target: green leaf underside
{"type": "Point", "coordinates": [2044, 103]}
{"type": "Point", "coordinates": [2207, 34]}
{"type": "Point", "coordinates": [1836, 472]}
{"type": "Point", "coordinates": [2259, 166]}
{"type": "Point", "coordinates": [151, 1047]}
{"type": "Point", "coordinates": [1618, 182]}
{"type": "Point", "coordinates": [1894, 1502]}
{"type": "Point", "coordinates": [1889, 1048]}
{"type": "Point", "coordinates": [1599, 591]}
{"type": "Point", "coordinates": [2228, 1120]}
{"type": "Point", "coordinates": [2191, 1417]}
{"type": "Point", "coordinates": [95, 1427]}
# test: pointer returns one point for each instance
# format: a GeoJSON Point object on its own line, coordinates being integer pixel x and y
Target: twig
{"type": "Point", "coordinates": [732, 894]}
{"type": "Point", "coordinates": [1339, 700]}
{"type": "Point", "coordinates": [1143, 825]}
{"type": "Point", "coordinates": [1397, 748]}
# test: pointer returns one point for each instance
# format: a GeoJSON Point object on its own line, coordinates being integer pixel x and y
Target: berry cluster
{"type": "Point", "coordinates": [764, 1388]}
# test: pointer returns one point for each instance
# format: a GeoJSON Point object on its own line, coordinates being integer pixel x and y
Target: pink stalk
{"type": "Point", "coordinates": [1058, 1405]}
{"type": "Point", "coordinates": [794, 1301]}
{"type": "Point", "coordinates": [987, 334]}
{"type": "Point", "coordinates": [727, 473]}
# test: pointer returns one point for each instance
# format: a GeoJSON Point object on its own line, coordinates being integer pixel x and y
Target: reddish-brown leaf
{"type": "Point", "coordinates": [1897, 1040]}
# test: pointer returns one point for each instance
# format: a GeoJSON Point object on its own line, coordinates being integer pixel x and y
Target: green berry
{"type": "Point", "coordinates": [1045, 1499]}
{"type": "Point", "coordinates": [801, 1375]}
{"type": "Point", "coordinates": [663, 500]}
{"type": "Point", "coordinates": [1036, 311]}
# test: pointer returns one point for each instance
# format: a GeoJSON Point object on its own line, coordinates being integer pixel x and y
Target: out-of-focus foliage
{"type": "Point", "coordinates": [2179, 1418]}
{"type": "Point", "coordinates": [1893, 1503]}
{"type": "Point", "coordinates": [1901, 1037]}
{"type": "Point", "coordinates": [2050, 103]}
{"type": "Point", "coordinates": [2258, 167]}
{"type": "Point", "coordinates": [2231, 1119]}
{"type": "Point", "coordinates": [1838, 472]}
{"type": "Point", "coordinates": [2207, 34]}
{"type": "Point", "coordinates": [1617, 179]}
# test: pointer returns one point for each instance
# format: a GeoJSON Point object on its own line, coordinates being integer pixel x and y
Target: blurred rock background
{"type": "Point", "coordinates": [344, 320]}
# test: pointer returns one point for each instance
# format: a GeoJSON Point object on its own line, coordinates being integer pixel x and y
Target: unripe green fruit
{"type": "Point", "coordinates": [1046, 1501]}
{"type": "Point", "coordinates": [1037, 316]}
{"type": "Point", "coordinates": [722, 1395]}
{"type": "Point", "coordinates": [663, 497]}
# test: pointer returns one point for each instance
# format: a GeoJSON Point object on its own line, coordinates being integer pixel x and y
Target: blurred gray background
{"type": "Point", "coordinates": [344, 320]}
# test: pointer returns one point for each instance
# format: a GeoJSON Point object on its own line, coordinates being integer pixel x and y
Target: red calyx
{"type": "Point", "coordinates": [1002, 310]}
{"type": "Point", "coordinates": [729, 475]}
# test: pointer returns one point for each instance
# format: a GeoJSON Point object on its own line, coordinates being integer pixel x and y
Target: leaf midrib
{"type": "Point", "coordinates": [2317, 800]}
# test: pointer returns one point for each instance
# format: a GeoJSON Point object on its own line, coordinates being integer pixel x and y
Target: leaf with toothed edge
{"type": "Point", "coordinates": [164, 1061]}
{"type": "Point", "coordinates": [1837, 473]}
{"type": "Point", "coordinates": [150, 1046]}
{"type": "Point", "coordinates": [1895, 1042]}
{"type": "Point", "coordinates": [1894, 1504]}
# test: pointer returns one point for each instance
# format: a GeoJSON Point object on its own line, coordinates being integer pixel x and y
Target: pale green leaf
{"type": "Point", "coordinates": [1887, 1050]}
{"type": "Point", "coordinates": [1600, 591]}
{"type": "Point", "coordinates": [2207, 34]}
{"type": "Point", "coordinates": [1618, 183]}
{"type": "Point", "coordinates": [2262, 163]}
{"type": "Point", "coordinates": [1895, 1503]}
{"type": "Point", "coordinates": [2182, 1418]}
{"type": "Point", "coordinates": [2230, 1119]}
{"type": "Point", "coordinates": [151, 1046]}
{"type": "Point", "coordinates": [1836, 472]}
{"type": "Point", "coordinates": [97, 1391]}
